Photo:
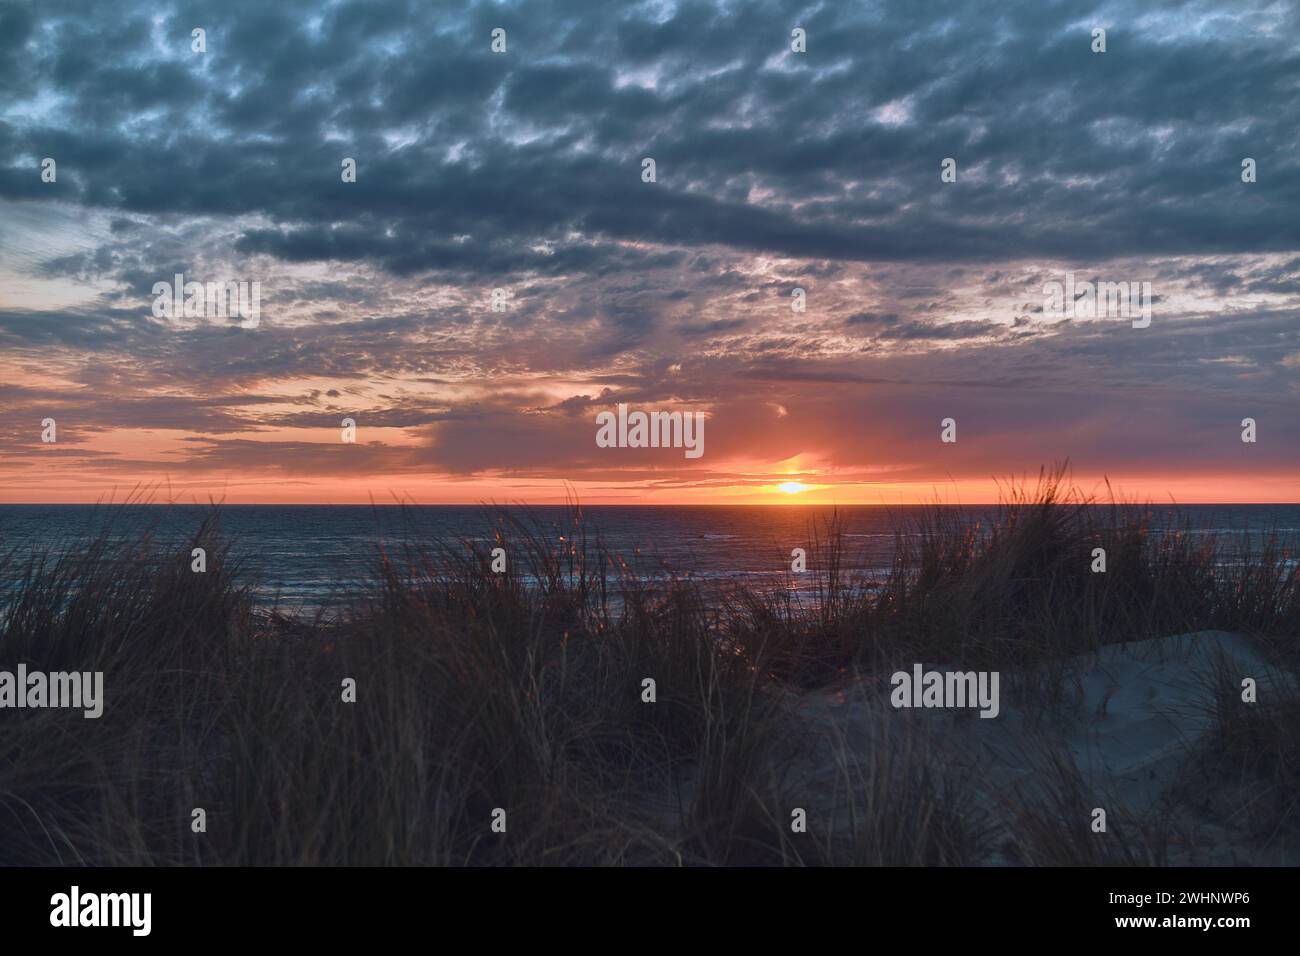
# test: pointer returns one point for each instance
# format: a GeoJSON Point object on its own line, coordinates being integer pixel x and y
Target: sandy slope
{"type": "Point", "coordinates": [1133, 715]}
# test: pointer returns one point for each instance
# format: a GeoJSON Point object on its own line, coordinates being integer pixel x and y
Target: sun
{"type": "Point", "coordinates": [792, 487]}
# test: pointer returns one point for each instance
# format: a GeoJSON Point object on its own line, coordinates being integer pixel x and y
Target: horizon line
{"type": "Point", "coordinates": [608, 504]}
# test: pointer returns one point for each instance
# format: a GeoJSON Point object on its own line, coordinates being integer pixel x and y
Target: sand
{"type": "Point", "coordinates": [1124, 732]}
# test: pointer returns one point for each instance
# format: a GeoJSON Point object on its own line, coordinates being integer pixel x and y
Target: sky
{"type": "Point", "coordinates": [522, 171]}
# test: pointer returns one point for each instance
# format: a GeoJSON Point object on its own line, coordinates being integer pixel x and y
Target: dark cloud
{"type": "Point", "coordinates": [1060, 151]}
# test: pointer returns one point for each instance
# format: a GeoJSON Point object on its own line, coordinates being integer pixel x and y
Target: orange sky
{"type": "Point", "coordinates": [60, 483]}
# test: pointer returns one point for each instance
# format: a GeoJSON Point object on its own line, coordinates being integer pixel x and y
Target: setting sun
{"type": "Point", "coordinates": [792, 487]}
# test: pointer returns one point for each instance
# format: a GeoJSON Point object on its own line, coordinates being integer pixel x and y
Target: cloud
{"type": "Point", "coordinates": [522, 172]}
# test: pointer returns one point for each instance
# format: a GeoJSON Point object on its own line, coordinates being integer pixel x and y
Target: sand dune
{"type": "Point", "coordinates": [1118, 735]}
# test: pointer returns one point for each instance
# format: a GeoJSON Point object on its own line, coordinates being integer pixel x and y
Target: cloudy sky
{"type": "Point", "coordinates": [522, 171]}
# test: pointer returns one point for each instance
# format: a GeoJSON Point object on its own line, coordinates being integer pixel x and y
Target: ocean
{"type": "Point", "coordinates": [299, 558]}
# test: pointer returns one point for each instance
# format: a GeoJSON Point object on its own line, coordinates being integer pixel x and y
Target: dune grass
{"type": "Point", "coordinates": [523, 692]}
